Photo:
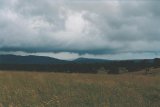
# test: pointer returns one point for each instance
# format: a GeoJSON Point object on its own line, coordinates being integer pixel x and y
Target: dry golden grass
{"type": "Point", "coordinates": [33, 89]}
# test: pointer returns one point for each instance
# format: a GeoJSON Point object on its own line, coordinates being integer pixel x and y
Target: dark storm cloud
{"type": "Point", "coordinates": [94, 27]}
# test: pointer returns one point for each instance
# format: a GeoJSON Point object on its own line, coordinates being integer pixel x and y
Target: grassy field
{"type": "Point", "coordinates": [26, 89]}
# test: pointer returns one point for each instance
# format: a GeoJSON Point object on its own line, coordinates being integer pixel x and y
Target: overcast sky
{"type": "Point", "coordinates": [68, 29]}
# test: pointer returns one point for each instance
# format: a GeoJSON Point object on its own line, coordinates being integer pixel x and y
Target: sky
{"type": "Point", "coordinates": [69, 29]}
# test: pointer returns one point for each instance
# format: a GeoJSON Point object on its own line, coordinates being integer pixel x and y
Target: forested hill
{"type": "Point", "coordinates": [82, 65]}
{"type": "Point", "coordinates": [15, 59]}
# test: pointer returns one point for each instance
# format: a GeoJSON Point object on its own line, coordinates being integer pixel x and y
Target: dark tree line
{"type": "Point", "coordinates": [112, 67]}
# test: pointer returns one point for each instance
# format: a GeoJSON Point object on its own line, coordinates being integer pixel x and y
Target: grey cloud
{"type": "Point", "coordinates": [80, 26]}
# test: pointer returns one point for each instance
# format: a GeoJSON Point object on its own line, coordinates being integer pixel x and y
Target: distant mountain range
{"type": "Point", "coordinates": [88, 60]}
{"type": "Point", "coordinates": [15, 59]}
{"type": "Point", "coordinates": [80, 65]}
